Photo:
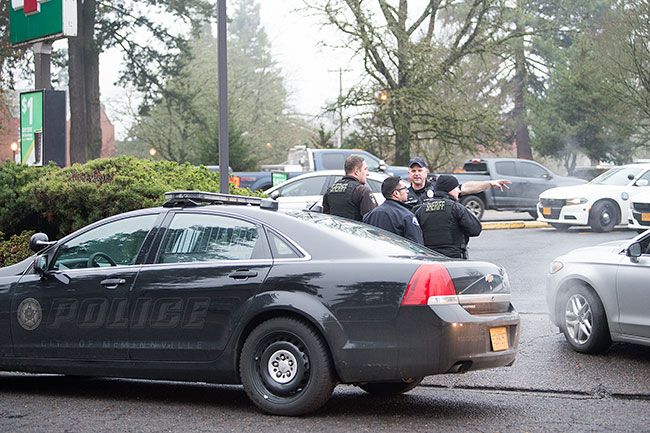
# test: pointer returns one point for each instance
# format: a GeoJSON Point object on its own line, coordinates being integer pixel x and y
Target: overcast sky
{"type": "Point", "coordinates": [310, 70]}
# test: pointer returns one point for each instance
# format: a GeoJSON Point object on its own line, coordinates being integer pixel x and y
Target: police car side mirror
{"type": "Point", "coordinates": [382, 165]}
{"type": "Point", "coordinates": [275, 194]}
{"type": "Point", "coordinates": [642, 182]}
{"type": "Point", "coordinates": [38, 241]}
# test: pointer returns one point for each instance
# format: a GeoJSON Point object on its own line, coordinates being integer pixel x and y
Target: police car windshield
{"type": "Point", "coordinates": [370, 237]}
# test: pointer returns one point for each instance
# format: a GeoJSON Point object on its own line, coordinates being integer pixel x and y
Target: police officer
{"type": "Point", "coordinates": [350, 197]}
{"type": "Point", "coordinates": [423, 186]}
{"type": "Point", "coordinates": [446, 224]}
{"type": "Point", "coordinates": [392, 215]}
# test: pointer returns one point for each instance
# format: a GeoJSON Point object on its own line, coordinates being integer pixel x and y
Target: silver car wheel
{"type": "Point", "coordinates": [578, 319]}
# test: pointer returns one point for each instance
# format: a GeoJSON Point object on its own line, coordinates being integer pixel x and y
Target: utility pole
{"type": "Point", "coordinates": [340, 101]}
{"type": "Point", "coordinates": [222, 79]}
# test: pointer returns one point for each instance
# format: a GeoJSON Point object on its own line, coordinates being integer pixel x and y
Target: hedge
{"type": "Point", "coordinates": [58, 201]}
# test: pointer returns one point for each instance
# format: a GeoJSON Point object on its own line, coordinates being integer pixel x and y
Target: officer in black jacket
{"type": "Point", "coordinates": [392, 215]}
{"type": "Point", "coordinates": [446, 224]}
{"type": "Point", "coordinates": [350, 197]}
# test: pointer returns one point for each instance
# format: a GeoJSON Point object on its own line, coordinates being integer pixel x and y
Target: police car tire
{"type": "Point", "coordinates": [604, 216]}
{"type": "Point", "coordinates": [391, 388]}
{"type": "Point", "coordinates": [313, 379]}
{"type": "Point", "coordinates": [475, 204]}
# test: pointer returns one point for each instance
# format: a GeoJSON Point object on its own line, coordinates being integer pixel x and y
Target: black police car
{"type": "Point", "coordinates": [288, 304]}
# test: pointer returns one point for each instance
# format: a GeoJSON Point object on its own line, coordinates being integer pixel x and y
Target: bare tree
{"type": "Point", "coordinates": [416, 57]}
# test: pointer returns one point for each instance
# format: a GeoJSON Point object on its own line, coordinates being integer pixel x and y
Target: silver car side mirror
{"type": "Point", "coordinates": [634, 251]}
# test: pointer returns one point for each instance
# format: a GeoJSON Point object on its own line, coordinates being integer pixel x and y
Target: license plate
{"type": "Point", "coordinates": [499, 338]}
{"type": "Point", "coordinates": [546, 211]}
{"type": "Point", "coordinates": [645, 216]}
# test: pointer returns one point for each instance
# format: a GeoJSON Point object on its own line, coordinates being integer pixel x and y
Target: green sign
{"type": "Point", "coordinates": [39, 20]}
{"type": "Point", "coordinates": [31, 128]}
{"type": "Point", "coordinates": [277, 177]}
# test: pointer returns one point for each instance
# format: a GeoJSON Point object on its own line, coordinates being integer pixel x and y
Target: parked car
{"type": "Point", "coordinates": [304, 190]}
{"type": "Point", "coordinates": [529, 179]}
{"type": "Point", "coordinates": [302, 159]}
{"type": "Point", "coordinates": [288, 304]}
{"type": "Point", "coordinates": [639, 212]}
{"type": "Point", "coordinates": [599, 294]}
{"type": "Point", "coordinates": [602, 204]}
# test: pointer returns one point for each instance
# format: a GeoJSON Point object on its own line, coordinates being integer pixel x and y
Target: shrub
{"type": "Point", "coordinates": [58, 201]}
{"type": "Point", "coordinates": [15, 249]}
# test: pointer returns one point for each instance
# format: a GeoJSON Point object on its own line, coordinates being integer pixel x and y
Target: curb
{"type": "Point", "coordinates": [506, 225]}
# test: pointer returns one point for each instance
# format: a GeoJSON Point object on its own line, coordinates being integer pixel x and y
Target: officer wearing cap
{"type": "Point", "coordinates": [446, 224]}
{"type": "Point", "coordinates": [422, 186]}
{"type": "Point", "coordinates": [392, 215]}
{"type": "Point", "coordinates": [350, 197]}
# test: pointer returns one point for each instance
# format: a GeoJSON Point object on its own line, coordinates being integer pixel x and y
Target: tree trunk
{"type": "Point", "coordinates": [402, 123]}
{"type": "Point", "coordinates": [522, 139]}
{"type": "Point", "coordinates": [85, 109]}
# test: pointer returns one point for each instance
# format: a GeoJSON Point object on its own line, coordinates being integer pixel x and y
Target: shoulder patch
{"type": "Point", "coordinates": [415, 221]}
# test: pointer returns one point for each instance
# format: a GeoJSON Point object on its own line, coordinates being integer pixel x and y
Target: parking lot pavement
{"type": "Point", "coordinates": [545, 363]}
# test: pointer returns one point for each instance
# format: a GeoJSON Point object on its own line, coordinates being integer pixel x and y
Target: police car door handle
{"type": "Point", "coordinates": [112, 283]}
{"type": "Point", "coordinates": [242, 274]}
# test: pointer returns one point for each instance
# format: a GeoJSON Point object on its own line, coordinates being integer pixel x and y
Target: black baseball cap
{"type": "Point", "coordinates": [417, 160]}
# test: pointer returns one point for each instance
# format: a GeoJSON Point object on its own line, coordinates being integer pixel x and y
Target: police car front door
{"type": "Point", "coordinates": [79, 308]}
{"type": "Point", "coordinates": [187, 303]}
{"type": "Point", "coordinates": [79, 318]}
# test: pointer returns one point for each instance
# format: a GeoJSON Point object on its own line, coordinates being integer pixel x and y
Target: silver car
{"type": "Point", "coordinates": [601, 294]}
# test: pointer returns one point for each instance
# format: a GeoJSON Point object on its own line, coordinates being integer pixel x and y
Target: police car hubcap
{"type": "Point", "coordinates": [282, 366]}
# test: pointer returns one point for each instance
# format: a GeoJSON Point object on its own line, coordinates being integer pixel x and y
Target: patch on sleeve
{"type": "Point", "coordinates": [415, 221]}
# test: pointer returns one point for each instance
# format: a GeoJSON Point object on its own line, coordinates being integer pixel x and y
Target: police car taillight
{"type": "Point", "coordinates": [430, 284]}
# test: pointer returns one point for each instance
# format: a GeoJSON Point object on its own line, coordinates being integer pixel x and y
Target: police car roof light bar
{"type": "Point", "coordinates": [197, 198]}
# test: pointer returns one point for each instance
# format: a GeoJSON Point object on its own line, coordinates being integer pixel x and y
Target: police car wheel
{"type": "Point", "coordinates": [285, 367]}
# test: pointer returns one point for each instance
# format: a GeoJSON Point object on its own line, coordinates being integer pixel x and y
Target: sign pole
{"type": "Point", "coordinates": [42, 57]}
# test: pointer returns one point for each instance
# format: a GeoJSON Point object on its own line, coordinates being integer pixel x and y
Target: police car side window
{"type": "Point", "coordinates": [111, 244]}
{"type": "Point", "coordinates": [645, 176]}
{"type": "Point", "coordinates": [194, 237]}
{"type": "Point", "coordinates": [280, 248]}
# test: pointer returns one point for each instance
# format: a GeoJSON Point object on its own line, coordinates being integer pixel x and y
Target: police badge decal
{"type": "Point", "coordinates": [29, 314]}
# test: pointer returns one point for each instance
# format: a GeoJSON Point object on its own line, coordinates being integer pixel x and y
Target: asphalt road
{"type": "Point", "coordinates": [549, 388]}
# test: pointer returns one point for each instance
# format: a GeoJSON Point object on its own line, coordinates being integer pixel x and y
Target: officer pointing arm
{"type": "Point", "coordinates": [422, 188]}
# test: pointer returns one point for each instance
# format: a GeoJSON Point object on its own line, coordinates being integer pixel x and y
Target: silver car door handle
{"type": "Point", "coordinates": [112, 283]}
